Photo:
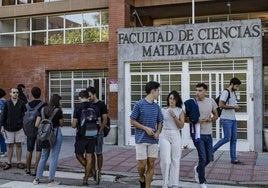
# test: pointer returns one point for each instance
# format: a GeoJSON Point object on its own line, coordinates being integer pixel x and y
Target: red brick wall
{"type": "Point", "coordinates": [119, 17]}
{"type": "Point", "coordinates": [28, 65]}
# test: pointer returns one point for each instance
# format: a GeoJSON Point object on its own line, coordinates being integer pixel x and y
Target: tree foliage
{"type": "Point", "coordinates": [92, 34]}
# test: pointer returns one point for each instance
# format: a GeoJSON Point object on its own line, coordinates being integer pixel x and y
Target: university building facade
{"type": "Point", "coordinates": [117, 46]}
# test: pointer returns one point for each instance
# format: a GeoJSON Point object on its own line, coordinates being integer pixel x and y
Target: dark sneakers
{"type": "Point", "coordinates": [98, 176]}
{"type": "Point", "coordinates": [28, 172]}
{"type": "Point", "coordinates": [142, 184]}
{"type": "Point", "coordinates": [236, 162]}
{"type": "Point", "coordinates": [212, 157]}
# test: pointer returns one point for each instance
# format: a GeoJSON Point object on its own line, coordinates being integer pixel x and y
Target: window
{"type": "Point", "coordinates": [69, 83]}
{"type": "Point", "coordinates": [68, 28]}
{"type": "Point", "coordinates": [23, 2]}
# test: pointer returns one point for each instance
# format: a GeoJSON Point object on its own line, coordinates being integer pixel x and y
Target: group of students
{"type": "Point", "coordinates": [153, 123]}
{"type": "Point", "coordinates": [11, 121]}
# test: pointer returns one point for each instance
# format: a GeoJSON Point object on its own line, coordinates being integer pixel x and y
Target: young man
{"type": "Point", "coordinates": [31, 141]}
{"type": "Point", "coordinates": [84, 144]}
{"type": "Point", "coordinates": [104, 114]}
{"type": "Point", "coordinates": [147, 118]}
{"type": "Point", "coordinates": [228, 119]}
{"type": "Point", "coordinates": [207, 107]}
{"type": "Point", "coordinates": [23, 95]}
{"type": "Point", "coordinates": [12, 123]}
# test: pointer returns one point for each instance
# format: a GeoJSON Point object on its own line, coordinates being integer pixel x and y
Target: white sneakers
{"type": "Point", "coordinates": [53, 183]}
{"type": "Point", "coordinates": [36, 181]}
{"type": "Point", "coordinates": [196, 174]}
{"type": "Point", "coordinates": [50, 184]}
{"type": "Point", "coordinates": [203, 185]}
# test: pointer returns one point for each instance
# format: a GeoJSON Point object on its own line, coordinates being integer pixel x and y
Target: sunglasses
{"type": "Point", "coordinates": [14, 92]}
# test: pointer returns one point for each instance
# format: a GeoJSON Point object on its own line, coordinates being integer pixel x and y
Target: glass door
{"type": "Point", "coordinates": [217, 82]}
{"type": "Point", "coordinates": [183, 77]}
{"type": "Point", "coordinates": [137, 74]}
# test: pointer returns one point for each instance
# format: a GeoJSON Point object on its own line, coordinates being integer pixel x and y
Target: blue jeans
{"type": "Point", "coordinates": [204, 150]}
{"type": "Point", "coordinates": [3, 144]}
{"type": "Point", "coordinates": [230, 135]}
{"type": "Point", "coordinates": [55, 151]}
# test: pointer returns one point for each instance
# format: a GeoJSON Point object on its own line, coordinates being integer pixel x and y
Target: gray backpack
{"type": "Point", "coordinates": [29, 120]}
{"type": "Point", "coordinates": [46, 138]}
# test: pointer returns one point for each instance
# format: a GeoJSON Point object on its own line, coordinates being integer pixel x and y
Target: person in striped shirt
{"type": "Point", "coordinates": [147, 118]}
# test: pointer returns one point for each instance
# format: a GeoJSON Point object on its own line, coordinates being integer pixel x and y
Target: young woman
{"type": "Point", "coordinates": [170, 140]}
{"type": "Point", "coordinates": [54, 104]}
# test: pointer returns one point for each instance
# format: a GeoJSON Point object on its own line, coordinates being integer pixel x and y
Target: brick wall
{"type": "Point", "coordinates": [119, 17]}
{"type": "Point", "coordinates": [28, 65]}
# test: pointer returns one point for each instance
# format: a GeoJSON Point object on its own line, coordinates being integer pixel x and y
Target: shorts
{"type": "Point", "coordinates": [15, 137]}
{"type": "Point", "coordinates": [84, 145]}
{"type": "Point", "coordinates": [99, 146]}
{"type": "Point", "coordinates": [146, 150]}
{"type": "Point", "coordinates": [30, 144]}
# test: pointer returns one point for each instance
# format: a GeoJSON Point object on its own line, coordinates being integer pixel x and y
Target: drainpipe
{"type": "Point", "coordinates": [193, 12]}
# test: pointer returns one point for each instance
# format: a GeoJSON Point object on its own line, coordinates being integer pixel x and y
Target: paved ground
{"type": "Point", "coordinates": [120, 169]}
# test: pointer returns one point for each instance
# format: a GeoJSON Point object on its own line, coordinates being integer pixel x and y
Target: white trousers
{"type": "Point", "coordinates": [170, 155]}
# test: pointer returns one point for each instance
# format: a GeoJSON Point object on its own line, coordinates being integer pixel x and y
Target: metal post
{"type": "Point", "coordinates": [193, 12]}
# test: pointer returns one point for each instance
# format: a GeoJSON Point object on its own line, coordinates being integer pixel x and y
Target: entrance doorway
{"type": "Point", "coordinates": [69, 83]}
{"type": "Point", "coordinates": [183, 77]}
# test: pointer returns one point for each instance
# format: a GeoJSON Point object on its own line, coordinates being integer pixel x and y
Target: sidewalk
{"type": "Point", "coordinates": [121, 161]}
{"type": "Point", "coordinates": [120, 164]}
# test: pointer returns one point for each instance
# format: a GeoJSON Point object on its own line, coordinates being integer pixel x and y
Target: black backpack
{"type": "Point", "coordinates": [45, 136]}
{"type": "Point", "coordinates": [29, 120]}
{"type": "Point", "coordinates": [88, 127]}
{"type": "Point", "coordinates": [217, 100]}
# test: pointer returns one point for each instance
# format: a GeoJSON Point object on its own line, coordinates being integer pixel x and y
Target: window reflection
{"type": "Point", "coordinates": [73, 36]}
{"type": "Point", "coordinates": [8, 2]}
{"type": "Point", "coordinates": [21, 2]}
{"type": "Point", "coordinates": [55, 22]}
{"type": "Point", "coordinates": [7, 40]}
{"type": "Point", "coordinates": [73, 20]}
{"type": "Point", "coordinates": [91, 19]}
{"type": "Point", "coordinates": [55, 37]}
{"type": "Point", "coordinates": [23, 24]}
{"type": "Point", "coordinates": [38, 38]}
{"type": "Point", "coordinates": [57, 29]}
{"type": "Point", "coordinates": [91, 35]}
{"type": "Point", "coordinates": [38, 23]}
{"type": "Point", "coordinates": [23, 39]}
{"type": "Point", "coordinates": [6, 26]}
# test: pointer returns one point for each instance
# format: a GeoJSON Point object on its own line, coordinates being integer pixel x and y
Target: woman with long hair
{"type": "Point", "coordinates": [53, 108]}
{"type": "Point", "coordinates": [170, 140]}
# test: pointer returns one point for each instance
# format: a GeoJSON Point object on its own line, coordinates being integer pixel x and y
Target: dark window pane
{"type": "Point", "coordinates": [6, 40]}
{"type": "Point", "coordinates": [38, 23]}
{"type": "Point", "coordinates": [55, 22]}
{"type": "Point", "coordinates": [23, 24]}
{"type": "Point", "coordinates": [6, 26]}
{"type": "Point", "coordinates": [23, 39]}
{"type": "Point", "coordinates": [38, 38]}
